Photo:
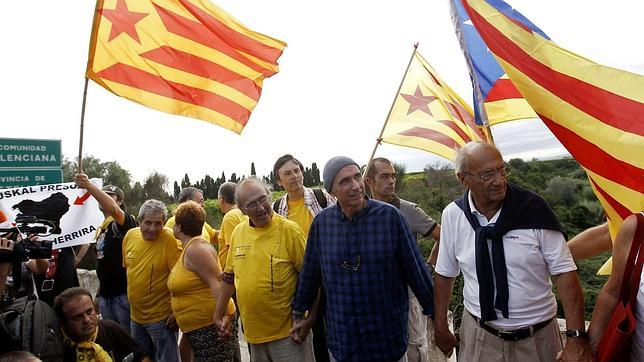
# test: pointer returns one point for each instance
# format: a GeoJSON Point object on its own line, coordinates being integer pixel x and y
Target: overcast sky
{"type": "Point", "coordinates": [338, 77]}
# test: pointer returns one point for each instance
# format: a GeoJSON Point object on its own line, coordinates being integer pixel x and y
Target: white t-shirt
{"type": "Point", "coordinates": [531, 256]}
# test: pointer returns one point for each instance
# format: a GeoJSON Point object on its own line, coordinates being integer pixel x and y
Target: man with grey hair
{"type": "Point", "coordinates": [233, 216]}
{"type": "Point", "coordinates": [149, 254]}
{"type": "Point", "coordinates": [194, 194]}
{"type": "Point", "coordinates": [264, 260]}
{"type": "Point", "coordinates": [508, 243]}
{"type": "Point", "coordinates": [365, 255]}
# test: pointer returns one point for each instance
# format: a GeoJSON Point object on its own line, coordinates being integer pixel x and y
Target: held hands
{"type": "Point", "coordinates": [224, 326]}
{"type": "Point", "coordinates": [301, 328]}
{"type": "Point", "coordinates": [445, 340]}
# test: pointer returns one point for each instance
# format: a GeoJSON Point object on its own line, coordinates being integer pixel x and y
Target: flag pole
{"type": "Point", "coordinates": [379, 139]}
{"type": "Point", "coordinates": [82, 127]}
{"type": "Point", "coordinates": [92, 41]}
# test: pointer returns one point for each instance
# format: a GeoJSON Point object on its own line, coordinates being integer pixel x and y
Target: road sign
{"type": "Point", "coordinates": [29, 177]}
{"type": "Point", "coordinates": [18, 152]}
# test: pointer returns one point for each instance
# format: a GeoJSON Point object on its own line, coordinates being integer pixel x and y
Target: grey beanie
{"type": "Point", "coordinates": [332, 167]}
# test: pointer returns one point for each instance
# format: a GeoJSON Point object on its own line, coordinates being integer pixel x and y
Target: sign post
{"type": "Point", "coordinates": [28, 162]}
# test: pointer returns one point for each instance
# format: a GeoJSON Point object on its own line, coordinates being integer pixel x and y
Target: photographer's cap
{"type": "Point", "coordinates": [114, 190]}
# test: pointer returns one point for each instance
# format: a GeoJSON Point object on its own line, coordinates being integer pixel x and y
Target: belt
{"type": "Point", "coordinates": [515, 334]}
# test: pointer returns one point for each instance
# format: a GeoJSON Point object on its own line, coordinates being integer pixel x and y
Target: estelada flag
{"type": "Point", "coordinates": [185, 57]}
{"type": "Point", "coordinates": [496, 99]}
{"type": "Point", "coordinates": [427, 114]}
{"type": "Point", "coordinates": [595, 111]}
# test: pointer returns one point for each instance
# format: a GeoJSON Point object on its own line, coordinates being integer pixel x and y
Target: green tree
{"type": "Point", "coordinates": [177, 191]}
{"type": "Point", "coordinates": [155, 185]}
{"type": "Point", "coordinates": [400, 169]}
{"type": "Point", "coordinates": [252, 169]}
{"type": "Point", "coordinates": [561, 191]}
{"type": "Point", "coordinates": [315, 171]}
{"type": "Point", "coordinates": [117, 175]}
{"type": "Point", "coordinates": [185, 182]}
{"type": "Point", "coordinates": [92, 167]}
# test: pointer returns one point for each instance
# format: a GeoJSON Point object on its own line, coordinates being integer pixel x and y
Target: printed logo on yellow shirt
{"type": "Point", "coordinates": [240, 251]}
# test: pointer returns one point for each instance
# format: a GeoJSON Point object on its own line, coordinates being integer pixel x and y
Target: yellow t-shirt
{"type": "Point", "coordinates": [207, 232]}
{"type": "Point", "coordinates": [232, 218]}
{"type": "Point", "coordinates": [266, 262]}
{"type": "Point", "coordinates": [193, 303]}
{"type": "Point", "coordinates": [148, 264]}
{"type": "Point", "coordinates": [298, 212]}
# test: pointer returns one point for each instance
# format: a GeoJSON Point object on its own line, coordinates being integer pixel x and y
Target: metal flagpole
{"type": "Point", "coordinates": [379, 139]}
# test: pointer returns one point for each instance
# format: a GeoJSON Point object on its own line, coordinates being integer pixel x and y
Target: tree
{"type": "Point", "coordinates": [155, 185]}
{"type": "Point", "coordinates": [308, 177]}
{"type": "Point", "coordinates": [117, 175]}
{"type": "Point", "coordinates": [92, 167]}
{"type": "Point", "coordinates": [135, 197]}
{"type": "Point", "coordinates": [185, 182]}
{"type": "Point", "coordinates": [233, 178]}
{"type": "Point", "coordinates": [177, 191]}
{"type": "Point", "coordinates": [315, 171]}
{"type": "Point", "coordinates": [252, 169]}
{"type": "Point", "coordinates": [561, 191]}
{"type": "Point", "coordinates": [400, 169]}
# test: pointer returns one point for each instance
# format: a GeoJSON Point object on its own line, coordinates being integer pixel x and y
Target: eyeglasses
{"type": "Point", "coordinates": [351, 266]}
{"type": "Point", "coordinates": [489, 176]}
{"type": "Point", "coordinates": [254, 206]}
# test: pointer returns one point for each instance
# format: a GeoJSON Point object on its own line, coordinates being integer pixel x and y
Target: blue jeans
{"type": "Point", "coordinates": [158, 342]}
{"type": "Point", "coordinates": [116, 309]}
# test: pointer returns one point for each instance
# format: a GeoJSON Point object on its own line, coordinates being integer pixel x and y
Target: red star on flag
{"type": "Point", "coordinates": [123, 20]}
{"type": "Point", "coordinates": [418, 101]}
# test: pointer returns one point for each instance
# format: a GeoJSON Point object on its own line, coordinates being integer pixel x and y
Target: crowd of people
{"type": "Point", "coordinates": [333, 275]}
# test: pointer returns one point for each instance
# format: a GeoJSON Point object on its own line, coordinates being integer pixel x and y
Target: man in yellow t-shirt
{"type": "Point", "coordinates": [149, 253]}
{"type": "Point", "coordinates": [194, 194]}
{"type": "Point", "coordinates": [232, 217]}
{"type": "Point", "coordinates": [301, 204]}
{"type": "Point", "coordinates": [262, 266]}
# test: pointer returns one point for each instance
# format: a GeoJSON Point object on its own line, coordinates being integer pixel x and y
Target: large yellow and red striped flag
{"type": "Point", "coordinates": [427, 114]}
{"type": "Point", "coordinates": [596, 112]}
{"type": "Point", "coordinates": [185, 57]}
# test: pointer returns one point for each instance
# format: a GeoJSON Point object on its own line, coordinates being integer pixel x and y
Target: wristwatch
{"type": "Point", "coordinates": [575, 333]}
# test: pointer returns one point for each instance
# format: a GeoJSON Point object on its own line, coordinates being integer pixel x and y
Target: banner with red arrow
{"type": "Point", "coordinates": [73, 211]}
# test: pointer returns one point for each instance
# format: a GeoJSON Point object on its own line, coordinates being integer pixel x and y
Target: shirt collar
{"type": "Point", "coordinates": [358, 215]}
{"type": "Point", "coordinates": [482, 218]}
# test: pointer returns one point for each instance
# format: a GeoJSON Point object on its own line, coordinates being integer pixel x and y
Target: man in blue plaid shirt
{"type": "Point", "coordinates": [364, 254]}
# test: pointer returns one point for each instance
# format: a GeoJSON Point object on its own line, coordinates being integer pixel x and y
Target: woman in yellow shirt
{"type": "Point", "coordinates": [194, 285]}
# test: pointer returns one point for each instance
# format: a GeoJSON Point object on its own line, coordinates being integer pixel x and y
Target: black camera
{"type": "Point", "coordinates": [25, 248]}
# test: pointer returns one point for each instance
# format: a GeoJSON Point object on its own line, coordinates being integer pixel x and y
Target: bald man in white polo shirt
{"type": "Point", "coordinates": [507, 243]}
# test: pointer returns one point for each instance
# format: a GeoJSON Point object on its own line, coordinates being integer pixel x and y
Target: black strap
{"type": "Point", "coordinates": [319, 195]}
{"type": "Point", "coordinates": [633, 271]}
{"type": "Point", "coordinates": [276, 205]}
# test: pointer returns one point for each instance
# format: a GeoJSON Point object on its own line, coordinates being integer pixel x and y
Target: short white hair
{"type": "Point", "coordinates": [463, 153]}
{"type": "Point", "coordinates": [153, 206]}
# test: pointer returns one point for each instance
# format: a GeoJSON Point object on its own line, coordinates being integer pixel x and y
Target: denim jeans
{"type": "Point", "coordinates": [158, 342]}
{"type": "Point", "coordinates": [116, 309]}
